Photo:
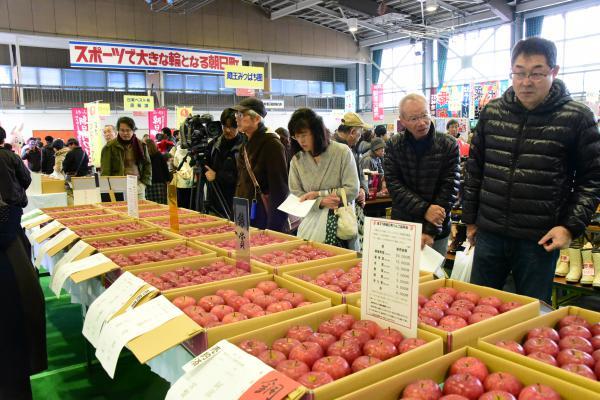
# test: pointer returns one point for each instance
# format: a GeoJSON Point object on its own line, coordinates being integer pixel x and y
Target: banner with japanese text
{"type": "Point", "coordinates": [377, 101]}
{"type": "Point", "coordinates": [80, 126]}
{"type": "Point", "coordinates": [483, 92]}
{"type": "Point", "coordinates": [350, 101]}
{"type": "Point", "coordinates": [138, 103]}
{"type": "Point", "coordinates": [239, 76]}
{"type": "Point", "coordinates": [182, 113]}
{"type": "Point", "coordinates": [117, 55]}
{"type": "Point", "coordinates": [94, 132]}
{"type": "Point", "coordinates": [157, 119]}
{"type": "Point", "coordinates": [453, 101]}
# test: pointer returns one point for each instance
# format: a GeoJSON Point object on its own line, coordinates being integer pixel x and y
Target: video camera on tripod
{"type": "Point", "coordinates": [196, 132]}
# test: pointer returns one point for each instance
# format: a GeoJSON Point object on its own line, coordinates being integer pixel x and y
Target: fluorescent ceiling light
{"type": "Point", "coordinates": [431, 5]}
{"type": "Point", "coordinates": [352, 24]}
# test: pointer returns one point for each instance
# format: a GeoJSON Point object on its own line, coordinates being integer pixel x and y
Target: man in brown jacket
{"type": "Point", "coordinates": [262, 176]}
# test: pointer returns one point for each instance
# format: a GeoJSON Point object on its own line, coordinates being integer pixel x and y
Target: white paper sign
{"type": "Point", "coordinates": [210, 375]}
{"type": "Point", "coordinates": [66, 235]}
{"type": "Point", "coordinates": [125, 327]}
{"type": "Point", "coordinates": [132, 196]}
{"type": "Point", "coordinates": [293, 206]}
{"type": "Point", "coordinates": [65, 271]}
{"type": "Point", "coordinates": [30, 214]}
{"type": "Point", "coordinates": [432, 261]}
{"type": "Point", "coordinates": [108, 303]}
{"type": "Point", "coordinates": [390, 281]}
{"type": "Point", "coordinates": [86, 196]}
{"type": "Point", "coordinates": [74, 252]}
{"type": "Point", "coordinates": [45, 231]}
{"type": "Point", "coordinates": [35, 187]}
{"type": "Point", "coordinates": [35, 221]}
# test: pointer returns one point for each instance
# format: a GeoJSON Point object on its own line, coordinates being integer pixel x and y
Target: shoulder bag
{"type": "Point", "coordinates": [347, 226]}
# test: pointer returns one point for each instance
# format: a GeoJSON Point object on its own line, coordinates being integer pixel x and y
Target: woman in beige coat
{"type": "Point", "coordinates": [60, 152]}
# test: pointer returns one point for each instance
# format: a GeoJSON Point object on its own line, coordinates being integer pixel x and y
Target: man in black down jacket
{"type": "Point", "coordinates": [533, 175]}
{"type": "Point", "coordinates": [76, 161]}
{"type": "Point", "coordinates": [422, 173]}
{"type": "Point", "coordinates": [48, 156]}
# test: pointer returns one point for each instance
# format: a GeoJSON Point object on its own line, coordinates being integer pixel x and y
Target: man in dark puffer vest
{"type": "Point", "coordinates": [421, 172]}
{"type": "Point", "coordinates": [533, 176]}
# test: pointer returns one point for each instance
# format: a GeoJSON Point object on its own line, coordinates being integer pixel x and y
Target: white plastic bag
{"type": "Point", "coordinates": [463, 263]}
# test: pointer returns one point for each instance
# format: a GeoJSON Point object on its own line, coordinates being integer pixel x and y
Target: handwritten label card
{"type": "Point", "coordinates": [132, 196]}
{"type": "Point", "coordinates": [47, 231]}
{"type": "Point", "coordinates": [54, 245]}
{"type": "Point", "coordinates": [390, 282]}
{"type": "Point", "coordinates": [66, 270]}
{"type": "Point", "coordinates": [241, 212]}
{"type": "Point", "coordinates": [35, 221]}
{"type": "Point", "coordinates": [79, 250]}
{"type": "Point", "coordinates": [31, 214]}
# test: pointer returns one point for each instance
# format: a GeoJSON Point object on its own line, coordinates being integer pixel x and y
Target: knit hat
{"type": "Point", "coordinates": [376, 144]}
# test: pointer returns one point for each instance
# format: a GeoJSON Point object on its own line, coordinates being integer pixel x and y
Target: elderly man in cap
{"type": "Point", "coordinates": [422, 173]}
{"type": "Point", "coordinates": [262, 167]}
{"type": "Point", "coordinates": [373, 162]}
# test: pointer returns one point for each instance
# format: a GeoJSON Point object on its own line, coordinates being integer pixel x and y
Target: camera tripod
{"type": "Point", "coordinates": [198, 199]}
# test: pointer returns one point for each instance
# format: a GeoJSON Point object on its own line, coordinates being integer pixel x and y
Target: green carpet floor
{"type": "Point", "coordinates": [68, 376]}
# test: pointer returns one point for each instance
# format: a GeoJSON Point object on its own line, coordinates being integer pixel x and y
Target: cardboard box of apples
{"type": "Point", "coordinates": [294, 256]}
{"type": "Point", "coordinates": [95, 219]}
{"type": "Point", "coordinates": [113, 228]}
{"type": "Point", "coordinates": [114, 204]}
{"type": "Point", "coordinates": [225, 244]}
{"type": "Point", "coordinates": [184, 219]}
{"type": "Point", "coordinates": [173, 276]}
{"type": "Point", "coordinates": [564, 343]}
{"type": "Point", "coordinates": [332, 352]}
{"type": "Point", "coordinates": [90, 212]}
{"type": "Point", "coordinates": [227, 309]}
{"type": "Point", "coordinates": [340, 281]}
{"type": "Point", "coordinates": [461, 313]}
{"type": "Point", "coordinates": [207, 229]}
{"type": "Point", "coordinates": [59, 209]}
{"type": "Point", "coordinates": [126, 239]}
{"type": "Point", "coordinates": [471, 374]}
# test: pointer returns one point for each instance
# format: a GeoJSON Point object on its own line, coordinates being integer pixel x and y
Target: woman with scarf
{"type": "Point", "coordinates": [127, 156]}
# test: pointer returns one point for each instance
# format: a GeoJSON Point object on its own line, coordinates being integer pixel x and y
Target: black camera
{"type": "Point", "coordinates": [196, 133]}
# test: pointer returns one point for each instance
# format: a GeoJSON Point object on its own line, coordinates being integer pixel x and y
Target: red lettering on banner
{"type": "Point", "coordinates": [142, 57]}
{"type": "Point", "coordinates": [131, 54]}
{"type": "Point", "coordinates": [204, 62]}
{"type": "Point", "coordinates": [95, 55]}
{"type": "Point", "coordinates": [174, 59]}
{"type": "Point", "coordinates": [185, 60]}
{"type": "Point", "coordinates": [118, 53]}
{"type": "Point", "coordinates": [81, 56]}
{"type": "Point", "coordinates": [153, 58]}
{"type": "Point", "coordinates": [195, 62]}
{"type": "Point", "coordinates": [163, 59]}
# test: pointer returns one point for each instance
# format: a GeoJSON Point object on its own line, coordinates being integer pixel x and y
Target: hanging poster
{"type": "Point", "coordinates": [483, 92]}
{"type": "Point", "coordinates": [94, 132]}
{"type": "Point", "coordinates": [450, 101]}
{"type": "Point", "coordinates": [157, 119]}
{"type": "Point", "coordinates": [350, 101]}
{"type": "Point", "coordinates": [182, 113]}
{"type": "Point", "coordinates": [80, 126]}
{"type": "Point", "coordinates": [377, 95]}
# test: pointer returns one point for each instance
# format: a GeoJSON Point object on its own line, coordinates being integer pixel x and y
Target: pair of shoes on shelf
{"type": "Point", "coordinates": [580, 265]}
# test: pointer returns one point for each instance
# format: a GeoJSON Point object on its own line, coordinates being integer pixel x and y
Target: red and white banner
{"type": "Point", "coordinates": [80, 126]}
{"type": "Point", "coordinates": [377, 101]}
{"type": "Point", "coordinates": [116, 55]}
{"type": "Point", "coordinates": [157, 119]}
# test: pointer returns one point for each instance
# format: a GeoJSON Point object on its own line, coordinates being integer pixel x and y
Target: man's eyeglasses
{"type": "Point", "coordinates": [415, 119]}
{"type": "Point", "coordinates": [240, 114]}
{"type": "Point", "coordinates": [533, 76]}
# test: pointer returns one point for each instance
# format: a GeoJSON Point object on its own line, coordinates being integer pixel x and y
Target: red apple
{"type": "Point", "coordinates": [596, 355]}
{"type": "Point", "coordinates": [573, 320]}
{"type": "Point", "coordinates": [451, 323]}
{"type": "Point", "coordinates": [464, 385]}
{"type": "Point", "coordinates": [444, 297]}
{"type": "Point", "coordinates": [508, 306]}
{"type": "Point", "coordinates": [576, 342]}
{"type": "Point", "coordinates": [580, 369]}
{"type": "Point", "coordinates": [497, 395]}
{"type": "Point", "coordinates": [323, 339]}
{"type": "Point", "coordinates": [538, 392]}
{"type": "Point", "coordinates": [595, 341]}
{"type": "Point", "coordinates": [271, 357]}
{"type": "Point", "coordinates": [573, 356]}
{"type": "Point", "coordinates": [431, 312]}
{"type": "Point", "coordinates": [392, 335]}
{"type": "Point", "coordinates": [380, 348]}
{"type": "Point", "coordinates": [221, 311]}
{"type": "Point", "coordinates": [279, 293]}
{"type": "Point", "coordinates": [437, 304]}
{"type": "Point", "coordinates": [451, 291]}
{"type": "Point", "coordinates": [544, 331]}
{"type": "Point", "coordinates": [453, 397]}
{"type": "Point", "coordinates": [253, 346]}
{"type": "Point", "coordinates": [252, 292]}
{"type": "Point", "coordinates": [490, 301]}
{"type": "Point", "coordinates": [336, 366]}
{"type": "Point", "coordinates": [301, 333]}
{"type": "Point", "coordinates": [575, 330]}
{"type": "Point", "coordinates": [267, 286]}
{"type": "Point", "coordinates": [190, 311]}
{"type": "Point", "coordinates": [503, 381]}
{"type": "Point", "coordinates": [467, 295]}
{"type": "Point", "coordinates": [233, 317]}
{"type": "Point", "coordinates": [479, 316]}
{"type": "Point", "coordinates": [595, 329]}
{"type": "Point", "coordinates": [360, 335]}
{"type": "Point", "coordinates": [486, 309]}
{"type": "Point", "coordinates": [208, 302]}
{"type": "Point", "coordinates": [348, 319]}
{"type": "Point", "coordinates": [543, 357]}
{"type": "Point", "coordinates": [427, 320]}
{"type": "Point", "coordinates": [292, 368]}
{"type": "Point", "coordinates": [349, 349]}
{"type": "Point", "coordinates": [313, 380]}
{"type": "Point", "coordinates": [463, 303]}
{"type": "Point", "coordinates": [205, 319]}
{"type": "Point", "coordinates": [283, 305]}
{"type": "Point", "coordinates": [409, 344]}
{"type": "Point", "coordinates": [237, 301]}
{"type": "Point", "coordinates": [422, 300]}
{"type": "Point", "coordinates": [462, 312]}
{"type": "Point", "coordinates": [335, 328]}
{"type": "Point", "coordinates": [264, 300]}
{"type": "Point", "coordinates": [544, 345]}
{"type": "Point", "coordinates": [363, 362]}
{"type": "Point", "coordinates": [183, 302]}
{"type": "Point", "coordinates": [251, 310]}
{"type": "Point", "coordinates": [597, 370]}
{"type": "Point", "coordinates": [307, 352]}
{"type": "Point", "coordinates": [294, 298]}
{"type": "Point", "coordinates": [511, 345]}
{"type": "Point", "coordinates": [425, 389]}
{"type": "Point", "coordinates": [285, 345]}
{"type": "Point", "coordinates": [226, 293]}
{"type": "Point", "coordinates": [371, 327]}
{"type": "Point", "coordinates": [470, 365]}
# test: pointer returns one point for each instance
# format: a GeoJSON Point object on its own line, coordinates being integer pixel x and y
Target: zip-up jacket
{"type": "Point", "coordinates": [531, 170]}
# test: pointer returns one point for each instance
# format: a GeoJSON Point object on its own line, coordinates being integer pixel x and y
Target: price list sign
{"type": "Point", "coordinates": [390, 281]}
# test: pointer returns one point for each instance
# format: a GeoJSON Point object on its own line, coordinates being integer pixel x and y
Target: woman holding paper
{"type": "Point", "coordinates": [23, 330]}
{"type": "Point", "coordinates": [317, 172]}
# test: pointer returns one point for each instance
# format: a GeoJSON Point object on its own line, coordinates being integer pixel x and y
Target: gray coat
{"type": "Point", "coordinates": [336, 169]}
